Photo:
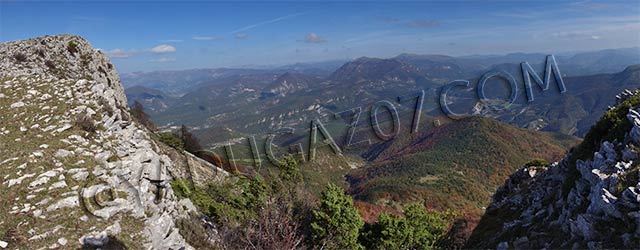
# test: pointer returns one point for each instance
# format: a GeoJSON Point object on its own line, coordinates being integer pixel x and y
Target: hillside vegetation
{"type": "Point", "coordinates": [457, 165]}
{"type": "Point", "coordinates": [590, 199]}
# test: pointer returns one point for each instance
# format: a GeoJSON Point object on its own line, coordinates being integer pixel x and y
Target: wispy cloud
{"type": "Point", "coordinates": [554, 12]}
{"type": "Point", "coordinates": [543, 35]}
{"type": "Point", "coordinates": [607, 28]}
{"type": "Point", "coordinates": [590, 5]}
{"type": "Point", "coordinates": [314, 38]}
{"type": "Point", "coordinates": [256, 25]}
{"type": "Point", "coordinates": [163, 49]}
{"type": "Point", "coordinates": [162, 60]}
{"type": "Point", "coordinates": [423, 24]}
{"type": "Point", "coordinates": [575, 35]}
{"type": "Point", "coordinates": [241, 36]}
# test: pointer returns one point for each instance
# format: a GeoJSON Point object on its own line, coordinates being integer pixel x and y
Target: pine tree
{"type": "Point", "coordinates": [336, 223]}
{"type": "Point", "coordinates": [137, 110]}
{"type": "Point", "coordinates": [191, 143]}
{"type": "Point", "coordinates": [427, 227]}
{"type": "Point", "coordinates": [418, 229]}
{"type": "Point", "coordinates": [289, 172]}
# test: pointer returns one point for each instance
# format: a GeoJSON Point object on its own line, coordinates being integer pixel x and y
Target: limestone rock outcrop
{"type": "Point", "coordinates": [591, 203]}
{"type": "Point", "coordinates": [75, 168]}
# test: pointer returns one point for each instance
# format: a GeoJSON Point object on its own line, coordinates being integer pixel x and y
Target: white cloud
{"type": "Point", "coordinates": [314, 38]}
{"type": "Point", "coordinates": [241, 36]}
{"type": "Point", "coordinates": [120, 53]}
{"type": "Point", "coordinates": [163, 60]}
{"type": "Point", "coordinates": [162, 49]}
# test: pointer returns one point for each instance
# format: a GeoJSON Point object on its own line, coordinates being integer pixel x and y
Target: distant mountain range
{"type": "Point", "coordinates": [444, 67]}
{"type": "Point", "coordinates": [153, 100]}
{"type": "Point", "coordinates": [177, 83]}
{"type": "Point", "coordinates": [448, 164]}
{"type": "Point", "coordinates": [225, 103]}
{"type": "Point", "coordinates": [573, 113]}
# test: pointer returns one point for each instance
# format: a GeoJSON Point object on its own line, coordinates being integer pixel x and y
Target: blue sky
{"type": "Point", "coordinates": [164, 35]}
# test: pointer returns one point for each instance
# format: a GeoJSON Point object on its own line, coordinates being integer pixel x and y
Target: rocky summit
{"type": "Point", "coordinates": [76, 169]}
{"type": "Point", "coordinates": [589, 200]}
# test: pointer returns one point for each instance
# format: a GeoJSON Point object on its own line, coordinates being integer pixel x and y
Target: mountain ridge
{"type": "Point", "coordinates": [257, 109]}
{"type": "Point", "coordinates": [476, 146]}
{"type": "Point", "coordinates": [590, 199]}
{"type": "Point", "coordinates": [76, 169]}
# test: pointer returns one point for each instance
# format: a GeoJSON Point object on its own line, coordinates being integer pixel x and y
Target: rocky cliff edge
{"type": "Point", "coordinates": [76, 170]}
{"type": "Point", "coordinates": [589, 200]}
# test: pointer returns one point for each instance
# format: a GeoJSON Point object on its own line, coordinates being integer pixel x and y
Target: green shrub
{"type": "Point", "coordinates": [336, 223]}
{"type": "Point", "coordinates": [289, 171]}
{"type": "Point", "coordinates": [274, 228]}
{"type": "Point", "coordinates": [40, 52]}
{"type": "Point", "coordinates": [85, 122]}
{"type": "Point", "coordinates": [86, 59]}
{"type": "Point", "coordinates": [612, 126]}
{"type": "Point", "coordinates": [113, 158]}
{"type": "Point", "coordinates": [194, 232]}
{"type": "Point", "coordinates": [20, 58]}
{"type": "Point", "coordinates": [427, 227]}
{"type": "Point", "coordinates": [15, 236]}
{"type": "Point", "coordinates": [171, 140]}
{"type": "Point", "coordinates": [72, 47]}
{"type": "Point", "coordinates": [181, 188]}
{"type": "Point", "coordinates": [537, 163]}
{"type": "Point", "coordinates": [390, 232]}
{"type": "Point", "coordinates": [137, 111]}
{"type": "Point", "coordinates": [418, 229]}
{"type": "Point", "coordinates": [191, 142]}
{"type": "Point", "coordinates": [230, 203]}
{"type": "Point", "coordinates": [50, 64]}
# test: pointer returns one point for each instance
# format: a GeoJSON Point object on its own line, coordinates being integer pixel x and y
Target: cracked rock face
{"type": "Point", "coordinates": [75, 168]}
{"type": "Point", "coordinates": [634, 117]}
{"type": "Point", "coordinates": [596, 206]}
